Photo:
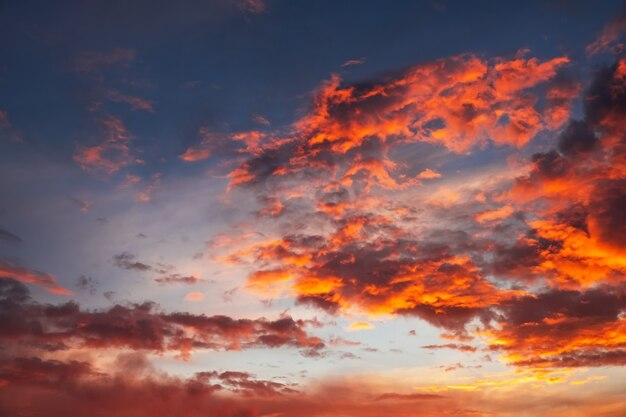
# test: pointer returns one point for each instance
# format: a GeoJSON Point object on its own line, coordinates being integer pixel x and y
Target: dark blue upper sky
{"type": "Point", "coordinates": [214, 64]}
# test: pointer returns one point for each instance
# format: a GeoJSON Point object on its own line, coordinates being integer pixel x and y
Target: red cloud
{"type": "Point", "coordinates": [110, 155]}
{"type": "Point", "coordinates": [54, 388]}
{"type": "Point", "coordinates": [609, 35]}
{"type": "Point", "coordinates": [31, 276]}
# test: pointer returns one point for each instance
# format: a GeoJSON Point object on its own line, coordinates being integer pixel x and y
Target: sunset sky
{"type": "Point", "coordinates": [282, 208]}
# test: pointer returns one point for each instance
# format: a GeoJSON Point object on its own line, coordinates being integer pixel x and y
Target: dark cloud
{"type": "Point", "coordinates": [384, 274]}
{"type": "Point", "coordinates": [9, 237]}
{"type": "Point", "coordinates": [607, 212]}
{"type": "Point", "coordinates": [324, 302]}
{"type": "Point", "coordinates": [77, 388]}
{"type": "Point", "coordinates": [246, 384]}
{"type": "Point", "coordinates": [577, 138]}
{"type": "Point", "coordinates": [92, 63]}
{"type": "Point", "coordinates": [178, 279]}
{"type": "Point", "coordinates": [357, 251]}
{"type": "Point", "coordinates": [563, 328]}
{"type": "Point", "coordinates": [456, 346]}
{"type": "Point", "coordinates": [86, 283]}
{"type": "Point", "coordinates": [140, 327]}
{"type": "Point", "coordinates": [54, 388]}
{"type": "Point", "coordinates": [605, 103]}
{"type": "Point", "coordinates": [520, 260]}
{"type": "Point", "coordinates": [550, 165]}
{"type": "Point", "coordinates": [127, 261]}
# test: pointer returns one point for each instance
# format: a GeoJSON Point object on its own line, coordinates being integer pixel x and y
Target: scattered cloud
{"type": "Point", "coordinates": [112, 154]}
{"type": "Point", "coordinates": [352, 62]}
{"type": "Point", "coordinates": [9, 269]}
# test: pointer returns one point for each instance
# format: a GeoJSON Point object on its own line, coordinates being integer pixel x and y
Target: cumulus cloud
{"type": "Point", "coordinates": [558, 225]}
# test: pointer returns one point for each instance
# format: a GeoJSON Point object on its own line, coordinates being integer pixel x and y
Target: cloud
{"type": "Point", "coordinates": [372, 243]}
{"type": "Point", "coordinates": [252, 6]}
{"type": "Point", "coordinates": [360, 326]}
{"type": "Point", "coordinates": [245, 384]}
{"type": "Point", "coordinates": [194, 296]}
{"type": "Point", "coordinates": [9, 269]}
{"type": "Point", "coordinates": [146, 194]}
{"type": "Point", "coordinates": [127, 261]}
{"type": "Point", "coordinates": [86, 283]}
{"type": "Point", "coordinates": [5, 123]}
{"type": "Point", "coordinates": [9, 237]}
{"type": "Point", "coordinates": [139, 327]}
{"type": "Point", "coordinates": [77, 387]}
{"type": "Point", "coordinates": [459, 102]}
{"type": "Point", "coordinates": [91, 63]}
{"type": "Point", "coordinates": [428, 174]}
{"type": "Point", "coordinates": [84, 205]}
{"type": "Point", "coordinates": [527, 259]}
{"type": "Point", "coordinates": [351, 62]}
{"type": "Point", "coordinates": [137, 103]}
{"type": "Point", "coordinates": [575, 243]}
{"type": "Point", "coordinates": [111, 155]}
{"type": "Point", "coordinates": [178, 279]}
{"type": "Point", "coordinates": [607, 217]}
{"type": "Point", "coordinates": [561, 328]}
{"type": "Point", "coordinates": [577, 138]}
{"type": "Point", "coordinates": [497, 214]}
{"type": "Point", "coordinates": [112, 150]}
{"type": "Point", "coordinates": [611, 33]}
{"type": "Point", "coordinates": [210, 143]}
{"type": "Point", "coordinates": [581, 183]}
{"type": "Point", "coordinates": [457, 346]}
{"type": "Point", "coordinates": [258, 118]}
{"type": "Point", "coordinates": [360, 267]}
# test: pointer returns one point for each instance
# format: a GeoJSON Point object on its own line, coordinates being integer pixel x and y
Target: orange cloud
{"type": "Point", "coordinates": [563, 329]}
{"type": "Point", "coordinates": [111, 155]}
{"type": "Point", "coordinates": [194, 296]}
{"type": "Point", "coordinates": [461, 258]}
{"type": "Point", "coordinates": [497, 214]}
{"type": "Point", "coordinates": [460, 102]}
{"type": "Point", "coordinates": [428, 174]}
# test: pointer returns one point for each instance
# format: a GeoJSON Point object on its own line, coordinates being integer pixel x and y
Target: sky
{"type": "Point", "coordinates": [274, 208]}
